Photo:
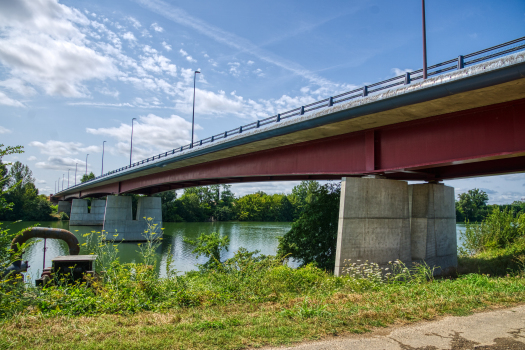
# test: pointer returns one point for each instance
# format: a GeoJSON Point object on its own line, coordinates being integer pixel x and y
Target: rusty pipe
{"type": "Point", "coordinates": [46, 232]}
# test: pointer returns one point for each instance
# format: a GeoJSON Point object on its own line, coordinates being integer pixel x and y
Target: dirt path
{"type": "Point", "coordinates": [500, 329]}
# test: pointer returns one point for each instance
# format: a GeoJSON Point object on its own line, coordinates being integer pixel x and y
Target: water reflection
{"type": "Point", "coordinates": [262, 236]}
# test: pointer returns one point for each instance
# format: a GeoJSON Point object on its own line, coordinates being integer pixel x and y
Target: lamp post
{"type": "Point", "coordinates": [76, 167]}
{"type": "Point", "coordinates": [102, 171]}
{"type": "Point", "coordinates": [193, 115]}
{"type": "Point", "coordinates": [59, 184]}
{"type": "Point", "coordinates": [68, 177]}
{"type": "Point", "coordinates": [131, 148]}
{"type": "Point", "coordinates": [63, 177]}
{"type": "Point", "coordinates": [55, 187]}
{"type": "Point", "coordinates": [86, 162]}
{"type": "Point", "coordinates": [424, 41]}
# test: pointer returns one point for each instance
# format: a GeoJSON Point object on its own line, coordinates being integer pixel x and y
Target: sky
{"type": "Point", "coordinates": [75, 73]}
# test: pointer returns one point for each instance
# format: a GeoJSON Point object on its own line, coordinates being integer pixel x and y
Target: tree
{"type": "Point", "coordinates": [313, 236]}
{"type": "Point", "coordinates": [302, 195]}
{"type": "Point", "coordinates": [210, 245]}
{"type": "Point", "coordinates": [25, 201]}
{"type": "Point", "coordinates": [87, 177]}
{"type": "Point", "coordinates": [472, 205]}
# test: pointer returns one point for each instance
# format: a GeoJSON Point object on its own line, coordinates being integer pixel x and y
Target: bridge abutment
{"type": "Point", "coordinates": [64, 206]}
{"type": "Point", "coordinates": [386, 220]}
{"type": "Point", "coordinates": [80, 215]}
{"type": "Point", "coordinates": [119, 223]}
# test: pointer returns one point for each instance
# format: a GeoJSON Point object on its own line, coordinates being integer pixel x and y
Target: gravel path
{"type": "Point", "coordinates": [499, 329]}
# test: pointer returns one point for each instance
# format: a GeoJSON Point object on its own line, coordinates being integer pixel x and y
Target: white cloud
{"type": "Point", "coordinates": [157, 63]}
{"type": "Point", "coordinates": [60, 148]}
{"type": "Point", "coordinates": [4, 130]}
{"type": "Point", "coordinates": [166, 46]}
{"type": "Point", "coordinates": [188, 57]}
{"type": "Point", "coordinates": [234, 68]}
{"type": "Point", "coordinates": [32, 158]}
{"type": "Point", "coordinates": [108, 92]}
{"type": "Point", "coordinates": [41, 181]}
{"type": "Point", "coordinates": [250, 63]}
{"type": "Point", "coordinates": [61, 163]}
{"type": "Point", "coordinates": [129, 36]}
{"type": "Point", "coordinates": [134, 22]}
{"type": "Point", "coordinates": [151, 134]}
{"type": "Point", "coordinates": [41, 45]}
{"type": "Point", "coordinates": [19, 86]}
{"type": "Point", "coordinates": [180, 16]}
{"type": "Point", "coordinates": [157, 28]}
{"type": "Point", "coordinates": [259, 72]}
{"type": "Point", "coordinates": [6, 100]}
{"type": "Point", "coordinates": [398, 72]}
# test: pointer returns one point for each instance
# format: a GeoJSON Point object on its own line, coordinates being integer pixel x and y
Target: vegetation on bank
{"type": "Point", "coordinates": [252, 300]}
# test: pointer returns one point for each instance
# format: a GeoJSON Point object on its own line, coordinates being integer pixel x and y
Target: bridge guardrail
{"type": "Point", "coordinates": [461, 62]}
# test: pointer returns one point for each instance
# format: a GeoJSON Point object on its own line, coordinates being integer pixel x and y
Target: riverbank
{"type": "Point", "coordinates": [264, 306]}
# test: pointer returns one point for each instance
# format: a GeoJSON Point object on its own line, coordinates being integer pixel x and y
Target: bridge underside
{"type": "Point", "coordinates": [476, 142]}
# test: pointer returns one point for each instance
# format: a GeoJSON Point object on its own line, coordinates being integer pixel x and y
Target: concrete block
{"type": "Point", "coordinates": [64, 207]}
{"type": "Point", "coordinates": [80, 215]}
{"type": "Point", "coordinates": [433, 226]}
{"type": "Point", "coordinates": [118, 218]}
{"type": "Point", "coordinates": [374, 222]}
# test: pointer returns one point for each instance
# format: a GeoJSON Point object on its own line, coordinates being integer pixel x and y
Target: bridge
{"type": "Point", "coordinates": [466, 119]}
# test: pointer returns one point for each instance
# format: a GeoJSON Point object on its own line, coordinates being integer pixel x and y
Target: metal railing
{"type": "Point", "coordinates": [405, 79]}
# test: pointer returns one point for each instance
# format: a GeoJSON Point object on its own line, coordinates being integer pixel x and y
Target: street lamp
{"type": "Point", "coordinates": [86, 162]}
{"type": "Point", "coordinates": [102, 171]}
{"type": "Point", "coordinates": [68, 177]}
{"type": "Point", "coordinates": [193, 116]}
{"type": "Point", "coordinates": [424, 41]}
{"type": "Point", "coordinates": [63, 177]}
{"type": "Point", "coordinates": [76, 167]}
{"type": "Point", "coordinates": [55, 187]}
{"type": "Point", "coordinates": [131, 149]}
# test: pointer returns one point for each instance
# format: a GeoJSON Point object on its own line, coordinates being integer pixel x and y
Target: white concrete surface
{"type": "Point", "coordinates": [119, 224]}
{"type": "Point", "coordinates": [433, 225]}
{"type": "Point", "coordinates": [81, 216]}
{"type": "Point", "coordinates": [64, 206]}
{"type": "Point", "coordinates": [374, 222]}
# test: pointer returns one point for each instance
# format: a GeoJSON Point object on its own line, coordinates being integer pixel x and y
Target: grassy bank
{"type": "Point", "coordinates": [252, 301]}
{"type": "Point", "coordinates": [293, 305]}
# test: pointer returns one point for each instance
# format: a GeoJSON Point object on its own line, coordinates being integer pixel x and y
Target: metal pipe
{"type": "Point", "coordinates": [68, 177]}
{"type": "Point", "coordinates": [424, 41]}
{"type": "Point", "coordinates": [44, 263]}
{"type": "Point", "coordinates": [45, 232]}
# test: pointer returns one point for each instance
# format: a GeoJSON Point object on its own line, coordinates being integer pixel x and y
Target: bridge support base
{"type": "Point", "coordinates": [80, 215]}
{"type": "Point", "coordinates": [433, 226]}
{"type": "Point", "coordinates": [120, 226]}
{"type": "Point", "coordinates": [374, 222]}
{"type": "Point", "coordinates": [64, 206]}
{"type": "Point", "coordinates": [386, 220]}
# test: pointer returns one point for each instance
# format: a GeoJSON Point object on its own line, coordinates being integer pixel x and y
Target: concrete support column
{"type": "Point", "coordinates": [64, 206]}
{"type": "Point", "coordinates": [433, 226]}
{"type": "Point", "coordinates": [119, 224]}
{"type": "Point", "coordinates": [374, 222]}
{"type": "Point", "coordinates": [80, 215]}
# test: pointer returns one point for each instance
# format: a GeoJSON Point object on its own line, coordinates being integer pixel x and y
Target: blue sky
{"type": "Point", "coordinates": [74, 73]}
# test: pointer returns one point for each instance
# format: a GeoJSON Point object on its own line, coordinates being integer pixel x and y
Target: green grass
{"type": "Point", "coordinates": [276, 305]}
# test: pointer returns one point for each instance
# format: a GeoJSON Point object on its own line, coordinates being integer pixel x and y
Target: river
{"type": "Point", "coordinates": [262, 236]}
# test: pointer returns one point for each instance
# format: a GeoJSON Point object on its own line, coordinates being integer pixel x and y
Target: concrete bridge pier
{"type": "Point", "coordinates": [119, 223]}
{"type": "Point", "coordinates": [64, 206]}
{"type": "Point", "coordinates": [433, 226]}
{"type": "Point", "coordinates": [374, 222]}
{"type": "Point", "coordinates": [80, 215]}
{"type": "Point", "coordinates": [384, 220]}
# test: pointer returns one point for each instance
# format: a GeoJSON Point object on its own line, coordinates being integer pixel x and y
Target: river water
{"type": "Point", "coordinates": [262, 236]}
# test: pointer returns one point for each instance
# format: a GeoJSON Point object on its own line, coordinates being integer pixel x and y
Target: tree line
{"type": "Point", "coordinates": [472, 206]}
